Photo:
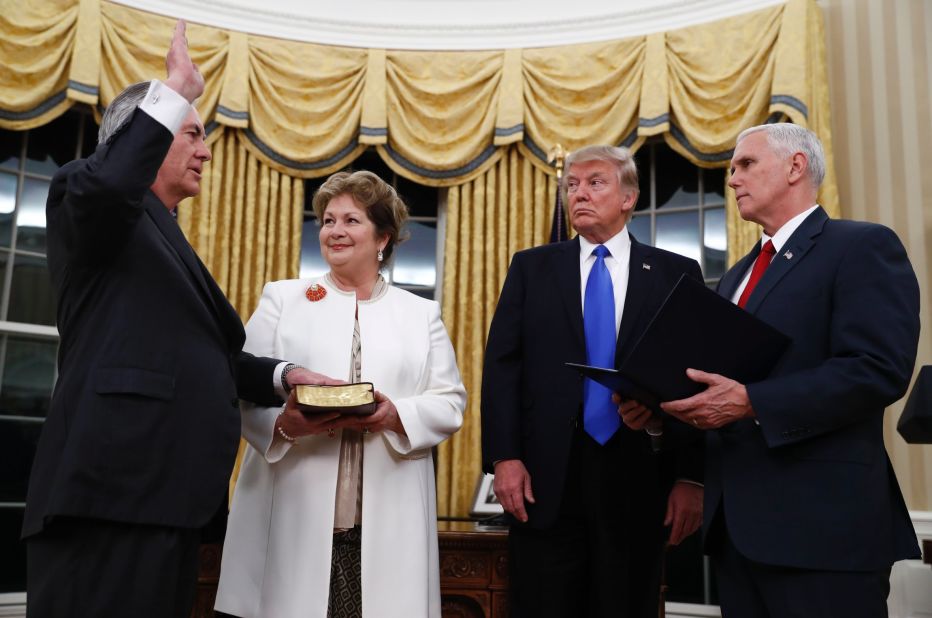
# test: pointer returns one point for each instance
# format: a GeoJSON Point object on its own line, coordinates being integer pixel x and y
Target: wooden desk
{"type": "Point", "coordinates": [473, 572]}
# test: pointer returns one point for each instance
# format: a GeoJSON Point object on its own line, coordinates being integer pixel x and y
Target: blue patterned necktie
{"type": "Point", "coordinates": [600, 415]}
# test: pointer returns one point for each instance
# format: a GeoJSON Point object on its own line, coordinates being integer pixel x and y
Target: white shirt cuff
{"type": "Point", "coordinates": [165, 106]}
{"type": "Point", "coordinates": [277, 380]}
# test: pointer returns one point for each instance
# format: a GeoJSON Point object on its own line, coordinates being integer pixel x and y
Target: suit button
{"type": "Point", "coordinates": [235, 402]}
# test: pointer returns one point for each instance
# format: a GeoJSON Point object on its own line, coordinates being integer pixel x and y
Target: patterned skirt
{"type": "Point", "coordinates": [345, 575]}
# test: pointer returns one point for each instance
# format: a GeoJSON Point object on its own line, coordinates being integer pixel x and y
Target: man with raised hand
{"type": "Point", "coordinates": [140, 439]}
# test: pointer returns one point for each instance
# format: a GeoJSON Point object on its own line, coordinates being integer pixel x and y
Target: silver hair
{"type": "Point", "coordinates": [120, 109]}
{"type": "Point", "coordinates": [786, 139]}
{"type": "Point", "coordinates": [619, 156]}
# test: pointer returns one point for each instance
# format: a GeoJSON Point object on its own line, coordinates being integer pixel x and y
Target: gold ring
{"type": "Point", "coordinates": [696, 422]}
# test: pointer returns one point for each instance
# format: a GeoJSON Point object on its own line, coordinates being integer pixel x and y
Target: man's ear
{"type": "Point", "coordinates": [629, 201]}
{"type": "Point", "coordinates": [799, 167]}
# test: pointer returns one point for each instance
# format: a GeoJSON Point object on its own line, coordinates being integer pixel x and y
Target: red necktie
{"type": "Point", "coordinates": [760, 265]}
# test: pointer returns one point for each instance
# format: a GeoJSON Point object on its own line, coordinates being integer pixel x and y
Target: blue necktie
{"type": "Point", "coordinates": [600, 415]}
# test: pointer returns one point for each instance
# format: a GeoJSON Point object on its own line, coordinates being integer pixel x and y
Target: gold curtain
{"type": "Point", "coordinates": [581, 95]}
{"type": "Point", "coordinates": [36, 40]}
{"type": "Point", "coordinates": [477, 122]}
{"type": "Point", "coordinates": [506, 209]}
{"type": "Point", "coordinates": [246, 223]}
{"type": "Point", "coordinates": [441, 111]}
{"type": "Point", "coordinates": [439, 118]}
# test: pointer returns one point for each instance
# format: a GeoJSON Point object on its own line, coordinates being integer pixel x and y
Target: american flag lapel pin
{"type": "Point", "coordinates": [788, 255]}
{"type": "Point", "coordinates": [645, 266]}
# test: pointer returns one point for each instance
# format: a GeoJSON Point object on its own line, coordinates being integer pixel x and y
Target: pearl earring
{"type": "Point", "coordinates": [379, 256]}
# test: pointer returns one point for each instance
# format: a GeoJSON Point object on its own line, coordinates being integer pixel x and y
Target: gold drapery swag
{"type": "Point", "coordinates": [479, 123]}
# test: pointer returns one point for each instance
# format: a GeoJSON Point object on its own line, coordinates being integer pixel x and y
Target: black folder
{"type": "Point", "coordinates": [694, 328]}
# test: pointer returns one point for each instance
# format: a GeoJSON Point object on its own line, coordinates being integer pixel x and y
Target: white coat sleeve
{"type": "Point", "coordinates": [258, 422]}
{"type": "Point", "coordinates": [436, 413]}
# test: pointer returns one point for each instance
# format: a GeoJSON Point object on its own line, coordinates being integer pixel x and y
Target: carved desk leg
{"type": "Point", "coordinates": [208, 574]}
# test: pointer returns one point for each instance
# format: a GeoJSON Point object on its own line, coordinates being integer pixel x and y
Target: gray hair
{"type": "Point", "coordinates": [619, 156]}
{"type": "Point", "coordinates": [120, 109]}
{"type": "Point", "coordinates": [786, 139]}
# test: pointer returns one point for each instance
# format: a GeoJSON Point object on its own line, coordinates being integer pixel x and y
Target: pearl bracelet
{"type": "Point", "coordinates": [281, 431]}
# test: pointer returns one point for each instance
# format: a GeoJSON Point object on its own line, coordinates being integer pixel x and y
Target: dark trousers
{"type": "Point", "coordinates": [602, 557]}
{"type": "Point", "coordinates": [86, 567]}
{"type": "Point", "coordinates": [749, 589]}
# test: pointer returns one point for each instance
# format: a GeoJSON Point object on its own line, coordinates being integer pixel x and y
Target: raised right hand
{"type": "Point", "coordinates": [512, 486]}
{"type": "Point", "coordinates": [183, 76]}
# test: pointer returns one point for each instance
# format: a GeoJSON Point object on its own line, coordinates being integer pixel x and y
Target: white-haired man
{"type": "Point", "coordinates": [803, 515]}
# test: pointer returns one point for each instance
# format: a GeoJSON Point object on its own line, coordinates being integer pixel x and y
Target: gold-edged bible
{"type": "Point", "coordinates": [356, 398]}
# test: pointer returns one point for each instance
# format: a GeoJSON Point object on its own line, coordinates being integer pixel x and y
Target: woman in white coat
{"type": "Point", "coordinates": [336, 516]}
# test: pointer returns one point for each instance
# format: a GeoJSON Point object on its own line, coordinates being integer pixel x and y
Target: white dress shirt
{"type": "Point", "coordinates": [165, 106]}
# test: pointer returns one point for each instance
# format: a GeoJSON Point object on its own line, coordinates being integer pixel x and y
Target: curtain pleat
{"type": "Point", "coordinates": [36, 44]}
{"type": "Point", "coordinates": [584, 94]}
{"type": "Point", "coordinates": [506, 209]}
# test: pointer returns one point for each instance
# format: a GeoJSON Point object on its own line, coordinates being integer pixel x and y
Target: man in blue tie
{"type": "Point", "coordinates": [587, 497]}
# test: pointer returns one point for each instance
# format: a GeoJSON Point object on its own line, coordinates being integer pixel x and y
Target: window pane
{"type": "Point", "coordinates": [4, 259]}
{"type": "Point", "coordinates": [714, 243]}
{"type": "Point", "coordinates": [51, 146]}
{"type": "Point", "coordinates": [30, 221]}
{"type": "Point", "coordinates": [677, 180]}
{"type": "Point", "coordinates": [370, 161]}
{"type": "Point", "coordinates": [421, 200]}
{"type": "Point", "coordinates": [11, 144]}
{"type": "Point", "coordinates": [89, 145]}
{"type": "Point", "coordinates": [416, 258]}
{"type": "Point", "coordinates": [18, 441]}
{"type": "Point", "coordinates": [13, 565]}
{"type": "Point", "coordinates": [31, 298]}
{"type": "Point", "coordinates": [7, 205]}
{"type": "Point", "coordinates": [28, 376]}
{"type": "Point", "coordinates": [427, 293]}
{"type": "Point", "coordinates": [713, 187]}
{"type": "Point", "coordinates": [312, 264]}
{"type": "Point", "coordinates": [679, 232]}
{"type": "Point", "coordinates": [642, 160]}
{"type": "Point", "coordinates": [639, 227]}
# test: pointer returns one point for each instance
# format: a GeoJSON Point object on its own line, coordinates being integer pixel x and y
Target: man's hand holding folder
{"type": "Point", "coordinates": [694, 327]}
{"type": "Point", "coordinates": [636, 415]}
{"type": "Point", "coordinates": [724, 401]}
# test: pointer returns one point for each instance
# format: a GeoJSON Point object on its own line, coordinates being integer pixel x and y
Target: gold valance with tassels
{"type": "Point", "coordinates": [439, 118]}
{"type": "Point", "coordinates": [480, 123]}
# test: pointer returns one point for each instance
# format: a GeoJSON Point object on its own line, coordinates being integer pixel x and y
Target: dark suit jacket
{"type": "Point", "coordinates": [144, 420]}
{"type": "Point", "coordinates": [811, 486]}
{"type": "Point", "coordinates": [531, 402]}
